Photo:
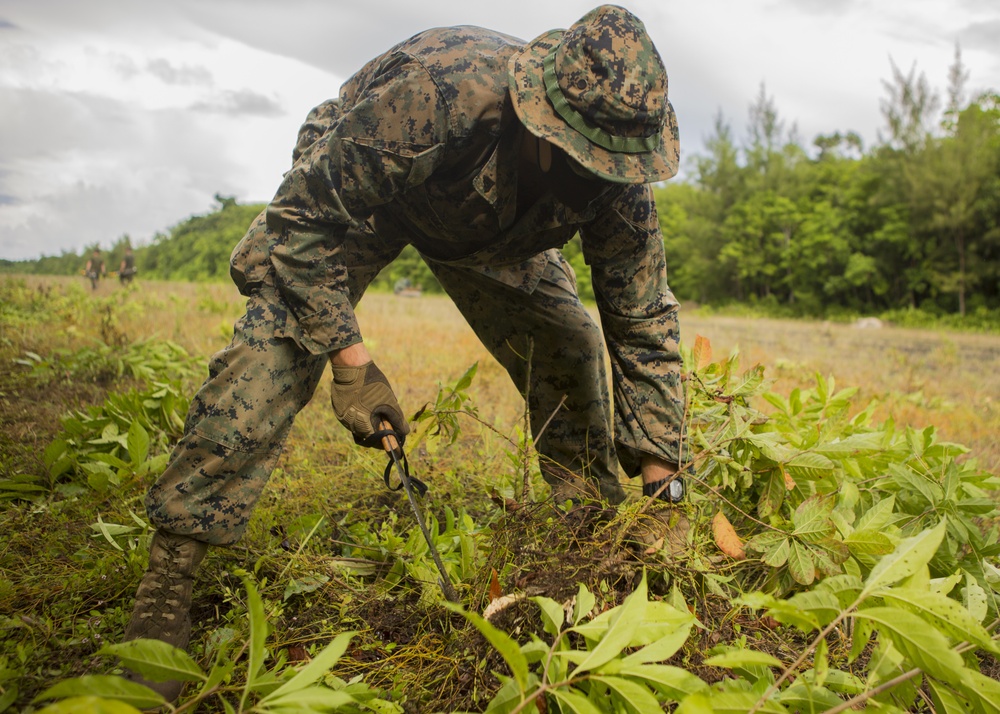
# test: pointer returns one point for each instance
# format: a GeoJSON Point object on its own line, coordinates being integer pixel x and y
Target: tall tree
{"type": "Point", "coordinates": [909, 108]}
{"type": "Point", "coordinates": [948, 187]}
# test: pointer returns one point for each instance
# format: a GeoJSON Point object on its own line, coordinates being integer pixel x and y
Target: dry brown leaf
{"type": "Point", "coordinates": [702, 352]}
{"type": "Point", "coordinates": [495, 590]}
{"type": "Point", "coordinates": [789, 481]}
{"type": "Point", "coordinates": [726, 538]}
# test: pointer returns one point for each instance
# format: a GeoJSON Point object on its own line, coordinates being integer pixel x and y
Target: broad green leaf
{"type": "Point", "coordinates": [821, 604]}
{"type": "Point", "coordinates": [465, 381]}
{"type": "Point", "coordinates": [991, 573]}
{"type": "Point", "coordinates": [922, 644]}
{"type": "Point", "coordinates": [944, 613]}
{"type": "Point", "coordinates": [974, 597]}
{"type": "Point", "coordinates": [503, 644]}
{"type": "Point", "coordinates": [910, 554]}
{"type": "Point", "coordinates": [756, 600]}
{"type": "Point", "coordinates": [137, 443]}
{"type": "Point", "coordinates": [763, 542]}
{"type": "Point", "coordinates": [781, 610]}
{"type": "Point", "coordinates": [821, 662]}
{"type": "Point", "coordinates": [771, 447]}
{"type": "Point", "coordinates": [105, 686]}
{"type": "Point", "coordinates": [316, 669]}
{"type": "Point", "coordinates": [585, 602]}
{"type": "Point", "coordinates": [308, 699]}
{"type": "Point", "coordinates": [982, 691]}
{"type": "Point", "coordinates": [945, 585]}
{"type": "Point", "coordinates": [828, 554]}
{"type": "Point", "coordinates": [697, 703]}
{"type": "Point", "coordinates": [848, 497]}
{"type": "Point", "coordinates": [674, 682]}
{"type": "Point", "coordinates": [661, 620]}
{"type": "Point", "coordinates": [742, 658]}
{"type": "Point", "coordinates": [772, 495]}
{"type": "Point", "coordinates": [669, 642]}
{"type": "Point", "coordinates": [838, 681]}
{"type": "Point", "coordinates": [109, 530]}
{"type": "Point", "coordinates": [853, 445]}
{"type": "Point", "coordinates": [878, 516]}
{"type": "Point", "coordinates": [859, 638]}
{"type": "Point", "coordinates": [869, 542]}
{"type": "Point", "coordinates": [947, 701]}
{"type": "Point", "coordinates": [778, 556]}
{"type": "Point", "coordinates": [624, 621]}
{"type": "Point", "coordinates": [731, 702]}
{"type": "Point", "coordinates": [810, 466]}
{"type": "Point", "coordinates": [812, 519]}
{"type": "Point", "coordinates": [809, 699]}
{"type": "Point", "coordinates": [801, 566]}
{"type": "Point", "coordinates": [506, 698]}
{"type": "Point", "coordinates": [636, 696]}
{"type": "Point", "coordinates": [155, 660]}
{"type": "Point", "coordinates": [553, 614]}
{"type": "Point", "coordinates": [258, 631]}
{"type": "Point", "coordinates": [572, 701]}
{"type": "Point", "coordinates": [845, 587]}
{"type": "Point", "coordinates": [749, 381]}
{"type": "Point", "coordinates": [89, 705]}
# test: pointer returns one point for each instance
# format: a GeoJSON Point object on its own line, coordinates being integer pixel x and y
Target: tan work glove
{"type": "Point", "coordinates": [362, 399]}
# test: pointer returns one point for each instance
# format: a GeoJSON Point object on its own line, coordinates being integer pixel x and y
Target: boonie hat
{"type": "Point", "coordinates": [598, 91]}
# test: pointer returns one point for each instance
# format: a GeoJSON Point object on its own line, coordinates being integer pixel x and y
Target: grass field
{"type": "Point", "coordinates": [64, 589]}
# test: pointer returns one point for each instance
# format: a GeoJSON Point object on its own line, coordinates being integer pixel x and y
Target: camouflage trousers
{"type": "Point", "coordinates": [241, 416]}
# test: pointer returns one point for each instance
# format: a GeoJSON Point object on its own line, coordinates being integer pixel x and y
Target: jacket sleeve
{"type": "Point", "coordinates": [624, 248]}
{"type": "Point", "coordinates": [388, 140]}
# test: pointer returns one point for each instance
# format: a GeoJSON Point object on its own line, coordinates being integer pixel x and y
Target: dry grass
{"type": "Point", "coordinates": [920, 378]}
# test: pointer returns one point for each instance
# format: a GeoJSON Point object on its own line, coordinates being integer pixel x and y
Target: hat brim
{"type": "Point", "coordinates": [527, 90]}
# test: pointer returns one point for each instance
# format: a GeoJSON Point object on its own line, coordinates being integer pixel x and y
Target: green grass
{"type": "Point", "coordinates": [327, 546]}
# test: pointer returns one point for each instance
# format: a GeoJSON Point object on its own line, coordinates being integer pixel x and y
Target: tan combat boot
{"type": "Point", "coordinates": [163, 601]}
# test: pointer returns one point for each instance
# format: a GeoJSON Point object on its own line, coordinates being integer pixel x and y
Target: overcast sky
{"type": "Point", "coordinates": [126, 116]}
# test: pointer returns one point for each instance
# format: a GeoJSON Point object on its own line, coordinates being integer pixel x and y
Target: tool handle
{"type": "Point", "coordinates": [389, 442]}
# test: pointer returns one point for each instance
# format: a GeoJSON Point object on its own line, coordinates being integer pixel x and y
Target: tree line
{"type": "Point", "coordinates": [910, 224]}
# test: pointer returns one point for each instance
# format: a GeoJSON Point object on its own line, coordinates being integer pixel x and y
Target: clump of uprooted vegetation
{"type": "Point", "coordinates": [830, 563]}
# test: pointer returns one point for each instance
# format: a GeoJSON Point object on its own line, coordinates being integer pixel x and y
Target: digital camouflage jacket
{"type": "Point", "coordinates": [422, 145]}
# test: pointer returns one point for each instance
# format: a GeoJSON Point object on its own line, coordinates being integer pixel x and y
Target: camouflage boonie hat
{"type": "Point", "coordinates": [598, 91]}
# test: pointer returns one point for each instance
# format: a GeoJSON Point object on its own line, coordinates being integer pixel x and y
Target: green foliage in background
{"type": "Point", "coordinates": [912, 224]}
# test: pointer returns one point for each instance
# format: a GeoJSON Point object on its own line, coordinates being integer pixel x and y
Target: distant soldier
{"type": "Point", "coordinates": [486, 153]}
{"type": "Point", "coordinates": [127, 270]}
{"type": "Point", "coordinates": [95, 268]}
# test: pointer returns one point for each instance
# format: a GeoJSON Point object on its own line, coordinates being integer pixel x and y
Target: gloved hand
{"type": "Point", "coordinates": [362, 399]}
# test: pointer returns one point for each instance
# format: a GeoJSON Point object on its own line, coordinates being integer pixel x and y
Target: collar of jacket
{"type": "Point", "coordinates": [497, 183]}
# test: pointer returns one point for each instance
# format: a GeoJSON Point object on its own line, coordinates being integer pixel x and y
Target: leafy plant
{"type": "Point", "coordinates": [613, 662]}
{"type": "Point", "coordinates": [407, 554]}
{"type": "Point", "coordinates": [148, 360]}
{"type": "Point", "coordinates": [583, 667]}
{"type": "Point", "coordinates": [818, 491]}
{"type": "Point", "coordinates": [124, 439]}
{"type": "Point", "coordinates": [278, 688]}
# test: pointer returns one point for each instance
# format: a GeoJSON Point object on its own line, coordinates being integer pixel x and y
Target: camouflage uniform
{"type": "Point", "coordinates": [421, 148]}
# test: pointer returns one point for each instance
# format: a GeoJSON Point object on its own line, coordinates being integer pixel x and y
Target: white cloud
{"type": "Point", "coordinates": [126, 117]}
